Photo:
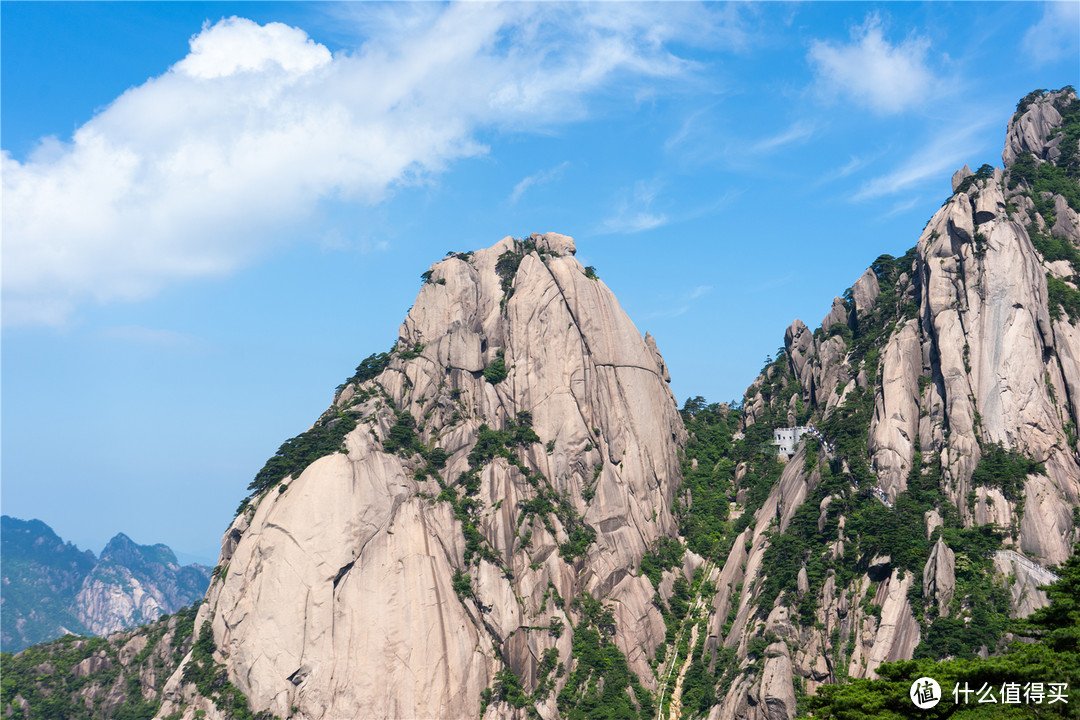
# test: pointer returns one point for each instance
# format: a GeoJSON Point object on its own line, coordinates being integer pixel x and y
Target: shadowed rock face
{"type": "Point", "coordinates": [336, 593]}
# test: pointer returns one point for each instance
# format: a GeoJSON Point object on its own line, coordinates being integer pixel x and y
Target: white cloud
{"type": "Point", "coordinates": [938, 158]}
{"type": "Point", "coordinates": [633, 211]}
{"type": "Point", "coordinates": [196, 172]}
{"type": "Point", "coordinates": [538, 178]}
{"type": "Point", "coordinates": [1056, 35]}
{"type": "Point", "coordinates": [236, 45]}
{"type": "Point", "coordinates": [873, 72]}
{"type": "Point", "coordinates": [635, 222]}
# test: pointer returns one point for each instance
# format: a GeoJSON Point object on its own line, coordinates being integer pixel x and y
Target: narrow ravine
{"type": "Point", "coordinates": [676, 695]}
{"type": "Point", "coordinates": [692, 617]}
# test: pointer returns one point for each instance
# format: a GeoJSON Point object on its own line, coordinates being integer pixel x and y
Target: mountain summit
{"type": "Point", "coordinates": [513, 455]}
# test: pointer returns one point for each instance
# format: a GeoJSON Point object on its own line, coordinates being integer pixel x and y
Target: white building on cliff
{"type": "Point", "coordinates": [786, 439]}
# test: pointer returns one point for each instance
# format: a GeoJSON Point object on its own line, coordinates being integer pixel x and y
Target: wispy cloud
{"type": "Point", "coordinates": [699, 291]}
{"type": "Point", "coordinates": [1056, 35]}
{"type": "Point", "coordinates": [634, 223]}
{"type": "Point", "coordinates": [849, 168]}
{"type": "Point", "coordinates": [674, 312]}
{"type": "Point", "coordinates": [885, 77]}
{"type": "Point", "coordinates": [902, 207]}
{"type": "Point", "coordinates": [633, 211]}
{"type": "Point", "coordinates": [167, 339]}
{"type": "Point", "coordinates": [378, 246]}
{"type": "Point", "coordinates": [538, 178]}
{"type": "Point", "coordinates": [202, 169]}
{"type": "Point", "coordinates": [706, 138]}
{"type": "Point", "coordinates": [798, 132]}
{"type": "Point", "coordinates": [686, 301]}
{"type": "Point", "coordinates": [773, 283]}
{"type": "Point", "coordinates": [699, 139]}
{"type": "Point", "coordinates": [939, 157]}
{"type": "Point", "coordinates": [687, 129]}
{"type": "Point", "coordinates": [721, 202]}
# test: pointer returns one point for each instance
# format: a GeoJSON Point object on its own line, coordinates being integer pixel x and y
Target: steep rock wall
{"type": "Point", "coordinates": [336, 592]}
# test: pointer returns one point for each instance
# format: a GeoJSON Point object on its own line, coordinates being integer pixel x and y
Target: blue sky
{"type": "Point", "coordinates": [213, 211]}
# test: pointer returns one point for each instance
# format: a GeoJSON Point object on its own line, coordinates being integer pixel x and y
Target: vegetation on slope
{"type": "Point", "coordinates": [978, 618]}
{"type": "Point", "coordinates": [1057, 178]}
{"type": "Point", "coordinates": [1063, 298]}
{"type": "Point", "coordinates": [1040, 181]}
{"type": "Point", "coordinates": [711, 458]}
{"type": "Point", "coordinates": [44, 678]}
{"type": "Point", "coordinates": [212, 679]}
{"type": "Point", "coordinates": [41, 576]}
{"type": "Point", "coordinates": [506, 266]}
{"type": "Point", "coordinates": [601, 686]}
{"type": "Point", "coordinates": [1050, 654]}
{"type": "Point", "coordinates": [327, 435]}
{"type": "Point", "coordinates": [295, 454]}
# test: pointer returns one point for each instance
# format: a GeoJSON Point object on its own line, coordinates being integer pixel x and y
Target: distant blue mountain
{"type": "Point", "coordinates": [51, 588]}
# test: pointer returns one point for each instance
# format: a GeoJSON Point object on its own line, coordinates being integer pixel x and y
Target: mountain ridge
{"type": "Point", "coordinates": [506, 515]}
{"type": "Point", "coordinates": [943, 386]}
{"type": "Point", "coordinates": [52, 588]}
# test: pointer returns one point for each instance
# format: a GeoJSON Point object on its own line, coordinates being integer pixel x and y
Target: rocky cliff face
{"type": "Point", "coordinates": [51, 588]}
{"type": "Point", "coordinates": [509, 462]}
{"type": "Point", "coordinates": [944, 392]}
